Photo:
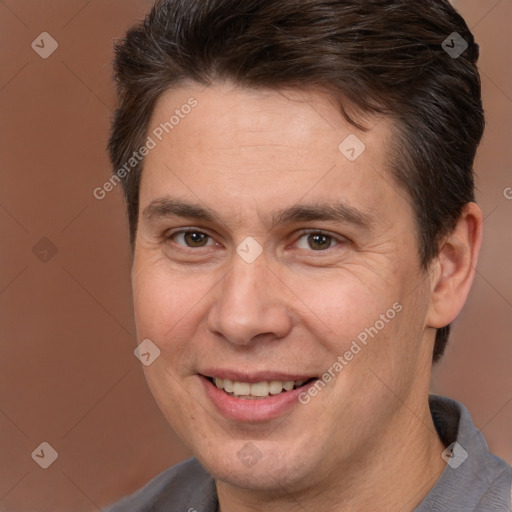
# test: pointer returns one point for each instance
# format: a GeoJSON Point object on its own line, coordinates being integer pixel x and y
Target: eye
{"type": "Point", "coordinates": [316, 241]}
{"type": "Point", "coordinates": [192, 239]}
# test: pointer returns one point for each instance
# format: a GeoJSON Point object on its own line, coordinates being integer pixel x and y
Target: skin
{"type": "Point", "coordinates": [366, 442]}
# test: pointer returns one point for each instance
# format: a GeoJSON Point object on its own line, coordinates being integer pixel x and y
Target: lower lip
{"type": "Point", "coordinates": [256, 410]}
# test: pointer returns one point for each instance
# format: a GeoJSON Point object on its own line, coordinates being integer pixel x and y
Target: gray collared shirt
{"type": "Point", "coordinates": [474, 480]}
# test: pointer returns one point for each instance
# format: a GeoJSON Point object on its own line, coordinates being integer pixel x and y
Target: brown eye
{"type": "Point", "coordinates": [316, 241]}
{"type": "Point", "coordinates": [192, 239]}
{"type": "Point", "coordinates": [319, 241]}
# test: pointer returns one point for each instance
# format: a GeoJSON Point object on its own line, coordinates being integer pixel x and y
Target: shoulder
{"type": "Point", "coordinates": [186, 486]}
{"type": "Point", "coordinates": [474, 478]}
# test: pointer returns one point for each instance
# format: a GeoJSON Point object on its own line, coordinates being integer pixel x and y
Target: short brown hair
{"type": "Point", "coordinates": [380, 57]}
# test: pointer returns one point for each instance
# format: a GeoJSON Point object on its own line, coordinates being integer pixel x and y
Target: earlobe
{"type": "Point", "coordinates": [453, 270]}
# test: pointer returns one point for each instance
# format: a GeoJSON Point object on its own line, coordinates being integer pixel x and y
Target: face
{"type": "Point", "coordinates": [270, 264]}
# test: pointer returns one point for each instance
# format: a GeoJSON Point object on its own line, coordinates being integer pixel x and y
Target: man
{"type": "Point", "coordinates": [298, 177]}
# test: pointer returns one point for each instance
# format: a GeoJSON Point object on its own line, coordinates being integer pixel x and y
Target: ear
{"type": "Point", "coordinates": [453, 270]}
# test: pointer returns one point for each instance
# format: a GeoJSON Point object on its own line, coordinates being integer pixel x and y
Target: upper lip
{"type": "Point", "coordinates": [253, 377]}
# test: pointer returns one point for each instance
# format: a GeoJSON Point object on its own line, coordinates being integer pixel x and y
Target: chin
{"type": "Point", "coordinates": [268, 470]}
{"type": "Point", "coordinates": [263, 477]}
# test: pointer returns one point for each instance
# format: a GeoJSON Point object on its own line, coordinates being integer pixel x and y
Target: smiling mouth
{"type": "Point", "coordinates": [257, 390]}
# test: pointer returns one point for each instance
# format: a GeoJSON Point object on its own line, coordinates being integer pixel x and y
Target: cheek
{"type": "Point", "coordinates": [163, 300]}
{"type": "Point", "coordinates": [344, 302]}
{"type": "Point", "coordinates": [372, 324]}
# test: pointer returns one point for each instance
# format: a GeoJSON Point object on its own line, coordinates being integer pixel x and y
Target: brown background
{"type": "Point", "coordinates": [67, 370]}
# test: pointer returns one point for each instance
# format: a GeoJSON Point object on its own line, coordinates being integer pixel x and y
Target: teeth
{"type": "Point", "coordinates": [241, 388]}
{"type": "Point", "coordinates": [275, 387]}
{"type": "Point", "coordinates": [228, 385]}
{"type": "Point", "coordinates": [257, 389]}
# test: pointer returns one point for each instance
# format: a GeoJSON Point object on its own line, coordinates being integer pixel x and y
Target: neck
{"type": "Point", "coordinates": [396, 473]}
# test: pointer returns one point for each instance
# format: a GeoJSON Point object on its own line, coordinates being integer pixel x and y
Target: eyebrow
{"type": "Point", "coordinates": [337, 212]}
{"type": "Point", "coordinates": [166, 207]}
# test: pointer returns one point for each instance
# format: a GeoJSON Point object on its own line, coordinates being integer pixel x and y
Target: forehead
{"type": "Point", "coordinates": [261, 148]}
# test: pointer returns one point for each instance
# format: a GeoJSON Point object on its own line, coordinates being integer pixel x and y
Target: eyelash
{"type": "Point", "coordinates": [173, 235]}
{"type": "Point", "coordinates": [304, 233]}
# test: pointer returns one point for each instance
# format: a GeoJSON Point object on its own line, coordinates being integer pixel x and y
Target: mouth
{"type": "Point", "coordinates": [258, 390]}
{"type": "Point", "coordinates": [254, 397]}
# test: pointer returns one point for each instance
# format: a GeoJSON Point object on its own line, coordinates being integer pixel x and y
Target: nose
{"type": "Point", "coordinates": [249, 305]}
